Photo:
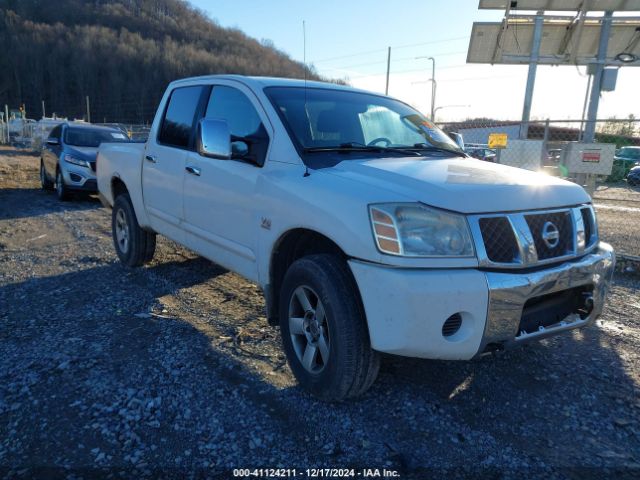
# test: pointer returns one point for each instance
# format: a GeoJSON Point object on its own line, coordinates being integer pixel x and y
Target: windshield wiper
{"type": "Point", "coordinates": [432, 148]}
{"type": "Point", "coordinates": [360, 147]}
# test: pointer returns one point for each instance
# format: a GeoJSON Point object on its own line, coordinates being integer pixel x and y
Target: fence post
{"type": "Point", "coordinates": [6, 113]}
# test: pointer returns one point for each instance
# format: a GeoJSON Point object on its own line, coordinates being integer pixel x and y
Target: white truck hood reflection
{"type": "Point", "coordinates": [463, 184]}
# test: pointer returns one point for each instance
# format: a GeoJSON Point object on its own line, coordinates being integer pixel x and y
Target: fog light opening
{"type": "Point", "coordinates": [452, 325]}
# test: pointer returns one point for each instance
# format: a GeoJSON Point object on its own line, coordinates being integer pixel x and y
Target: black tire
{"type": "Point", "coordinates": [352, 365]}
{"type": "Point", "coordinates": [61, 189]}
{"type": "Point", "coordinates": [140, 245]}
{"type": "Point", "coordinates": [45, 183]}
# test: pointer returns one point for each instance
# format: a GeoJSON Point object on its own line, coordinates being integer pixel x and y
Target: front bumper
{"type": "Point", "coordinates": [406, 308]}
{"type": "Point", "coordinates": [79, 178]}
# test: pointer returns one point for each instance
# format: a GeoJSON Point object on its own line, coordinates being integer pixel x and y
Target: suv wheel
{"type": "Point", "coordinates": [324, 330]}
{"type": "Point", "coordinates": [45, 183]}
{"type": "Point", "coordinates": [61, 189]}
{"type": "Point", "coordinates": [134, 245]}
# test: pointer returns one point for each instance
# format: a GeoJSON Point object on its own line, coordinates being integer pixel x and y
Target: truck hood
{"type": "Point", "coordinates": [464, 185]}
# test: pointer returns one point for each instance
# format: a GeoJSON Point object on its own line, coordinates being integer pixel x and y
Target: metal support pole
{"type": "Point", "coordinates": [584, 107]}
{"type": "Point", "coordinates": [44, 112]}
{"type": "Point", "coordinates": [88, 111]}
{"type": "Point", "coordinates": [594, 98]}
{"type": "Point", "coordinates": [531, 77]}
{"type": "Point", "coordinates": [386, 90]}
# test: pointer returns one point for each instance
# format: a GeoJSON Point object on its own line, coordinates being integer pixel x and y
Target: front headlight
{"type": "Point", "coordinates": [415, 230]}
{"type": "Point", "coordinates": [76, 161]}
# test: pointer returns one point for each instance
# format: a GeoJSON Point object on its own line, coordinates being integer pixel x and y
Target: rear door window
{"type": "Point", "coordinates": [179, 118]}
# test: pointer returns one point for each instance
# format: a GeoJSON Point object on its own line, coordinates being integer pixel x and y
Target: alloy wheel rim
{"type": "Point", "coordinates": [122, 231]}
{"type": "Point", "coordinates": [309, 329]}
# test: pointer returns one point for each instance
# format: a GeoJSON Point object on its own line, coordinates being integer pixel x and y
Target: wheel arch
{"type": "Point", "coordinates": [290, 246]}
{"type": "Point", "coordinates": [118, 187]}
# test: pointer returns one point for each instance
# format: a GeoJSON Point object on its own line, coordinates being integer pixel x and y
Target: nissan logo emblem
{"type": "Point", "coordinates": [550, 235]}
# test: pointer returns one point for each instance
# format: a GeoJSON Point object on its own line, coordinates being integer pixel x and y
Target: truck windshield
{"type": "Point", "coordinates": [329, 120]}
{"type": "Point", "coordinates": [87, 137]}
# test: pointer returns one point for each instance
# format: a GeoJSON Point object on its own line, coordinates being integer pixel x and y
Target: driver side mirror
{"type": "Point", "coordinates": [214, 139]}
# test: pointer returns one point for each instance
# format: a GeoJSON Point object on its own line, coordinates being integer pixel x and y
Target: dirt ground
{"type": "Point", "coordinates": [171, 370]}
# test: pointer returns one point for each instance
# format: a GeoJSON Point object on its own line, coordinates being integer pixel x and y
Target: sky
{"type": "Point", "coordinates": [349, 39]}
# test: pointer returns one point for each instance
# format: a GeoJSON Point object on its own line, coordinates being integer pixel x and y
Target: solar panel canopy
{"type": "Point", "coordinates": [556, 48]}
{"type": "Point", "coordinates": [563, 5]}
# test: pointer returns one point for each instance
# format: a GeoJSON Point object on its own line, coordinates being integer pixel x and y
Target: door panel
{"type": "Point", "coordinates": [220, 208]}
{"type": "Point", "coordinates": [162, 172]}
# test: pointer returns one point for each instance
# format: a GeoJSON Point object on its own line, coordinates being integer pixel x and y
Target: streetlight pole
{"type": "Point", "coordinates": [433, 119]}
{"type": "Point", "coordinates": [433, 84]}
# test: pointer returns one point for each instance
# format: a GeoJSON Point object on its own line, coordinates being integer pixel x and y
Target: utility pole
{"type": "Point", "coordinates": [386, 90]}
{"type": "Point", "coordinates": [594, 97]}
{"type": "Point", "coordinates": [531, 77]}
{"type": "Point", "coordinates": [88, 111]}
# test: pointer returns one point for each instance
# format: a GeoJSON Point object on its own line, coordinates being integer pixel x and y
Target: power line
{"type": "Point", "coordinates": [402, 59]}
{"type": "Point", "coordinates": [433, 42]}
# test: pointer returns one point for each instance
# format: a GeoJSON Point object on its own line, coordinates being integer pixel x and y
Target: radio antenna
{"type": "Point", "coordinates": [304, 61]}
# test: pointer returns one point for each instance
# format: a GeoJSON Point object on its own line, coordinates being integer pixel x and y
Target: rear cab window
{"type": "Point", "coordinates": [177, 127]}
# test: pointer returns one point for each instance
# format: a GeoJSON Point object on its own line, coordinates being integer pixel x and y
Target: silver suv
{"type": "Point", "coordinates": [68, 159]}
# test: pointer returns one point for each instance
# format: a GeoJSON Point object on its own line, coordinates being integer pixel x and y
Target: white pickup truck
{"type": "Point", "coordinates": [367, 227]}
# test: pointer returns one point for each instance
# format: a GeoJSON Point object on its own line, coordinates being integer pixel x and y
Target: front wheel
{"type": "Point", "coordinates": [134, 246]}
{"type": "Point", "coordinates": [324, 329]}
{"type": "Point", "coordinates": [61, 189]}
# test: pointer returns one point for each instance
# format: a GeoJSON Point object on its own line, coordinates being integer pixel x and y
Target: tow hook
{"type": "Point", "coordinates": [588, 303]}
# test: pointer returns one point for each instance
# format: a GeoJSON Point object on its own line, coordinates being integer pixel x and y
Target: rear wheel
{"type": "Point", "coordinates": [324, 329]}
{"type": "Point", "coordinates": [134, 245]}
{"type": "Point", "coordinates": [61, 189]}
{"type": "Point", "coordinates": [45, 183]}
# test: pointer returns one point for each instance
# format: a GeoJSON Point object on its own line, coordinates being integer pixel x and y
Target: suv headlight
{"type": "Point", "coordinates": [76, 161]}
{"type": "Point", "coordinates": [415, 230]}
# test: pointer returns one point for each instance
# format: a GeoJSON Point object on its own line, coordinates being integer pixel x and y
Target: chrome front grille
{"type": "Point", "coordinates": [563, 222]}
{"type": "Point", "coordinates": [499, 240]}
{"type": "Point", "coordinates": [528, 239]}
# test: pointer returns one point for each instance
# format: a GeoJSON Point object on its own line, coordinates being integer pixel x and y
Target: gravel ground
{"type": "Point", "coordinates": [171, 370]}
{"type": "Point", "coordinates": [618, 208]}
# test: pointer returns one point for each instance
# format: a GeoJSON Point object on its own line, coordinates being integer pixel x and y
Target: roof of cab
{"type": "Point", "coordinates": [262, 82]}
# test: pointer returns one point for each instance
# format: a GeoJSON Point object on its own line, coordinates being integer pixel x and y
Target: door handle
{"type": "Point", "coordinates": [150, 158]}
{"type": "Point", "coordinates": [193, 170]}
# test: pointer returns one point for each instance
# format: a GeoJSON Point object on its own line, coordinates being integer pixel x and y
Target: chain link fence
{"type": "Point", "coordinates": [545, 144]}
